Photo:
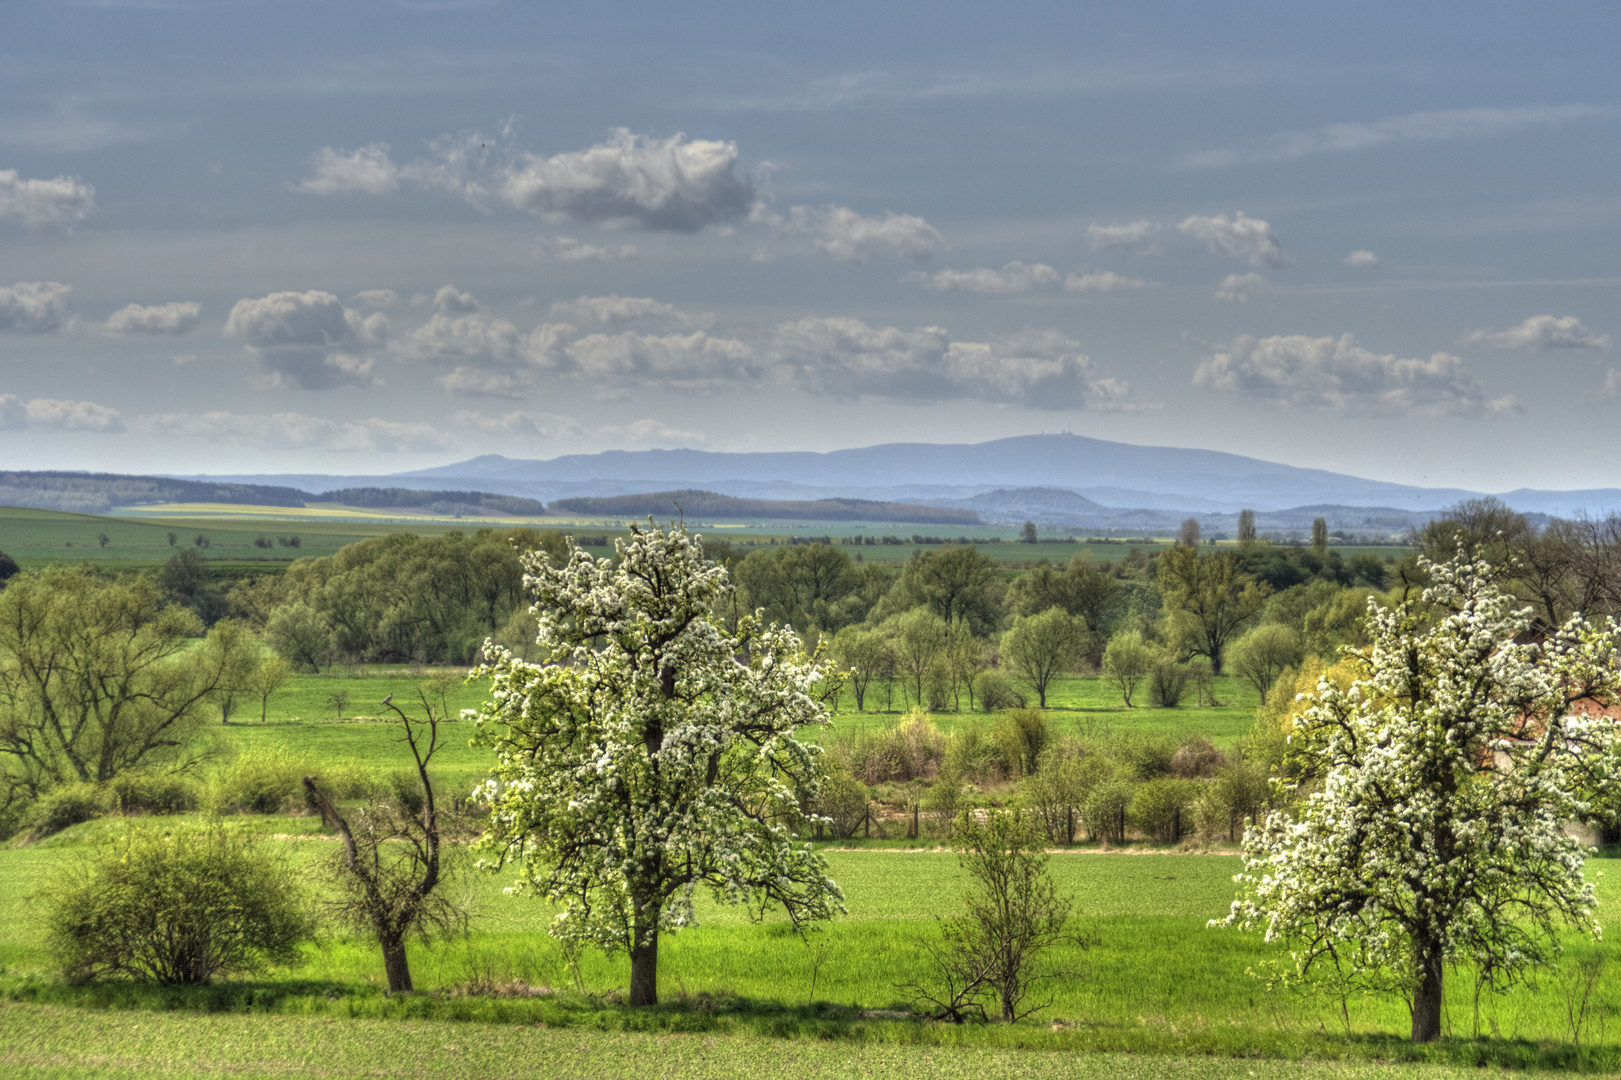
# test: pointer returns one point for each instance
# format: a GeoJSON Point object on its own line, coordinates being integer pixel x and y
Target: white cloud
{"type": "Point", "coordinates": [466, 381]}
{"type": "Point", "coordinates": [543, 425]}
{"type": "Point", "coordinates": [452, 300]}
{"type": "Point", "coordinates": [296, 431]}
{"type": "Point", "coordinates": [670, 184]}
{"type": "Point", "coordinates": [614, 310]}
{"type": "Point", "coordinates": [34, 307]}
{"type": "Point", "coordinates": [568, 249]}
{"type": "Point", "coordinates": [1541, 332]}
{"type": "Point", "coordinates": [1128, 234]}
{"type": "Point", "coordinates": [1361, 258]}
{"type": "Point", "coordinates": [1105, 281]}
{"type": "Point", "coordinates": [45, 204]}
{"type": "Point", "coordinates": [857, 238]}
{"type": "Point", "coordinates": [367, 171]}
{"type": "Point", "coordinates": [1237, 237]}
{"type": "Point", "coordinates": [844, 357]}
{"type": "Point", "coordinates": [379, 299]}
{"type": "Point", "coordinates": [1445, 125]}
{"type": "Point", "coordinates": [1012, 278]}
{"type": "Point", "coordinates": [1237, 287]}
{"type": "Point", "coordinates": [176, 317]}
{"type": "Point", "coordinates": [1336, 373]}
{"type": "Point", "coordinates": [620, 362]}
{"type": "Point", "coordinates": [49, 413]}
{"type": "Point", "coordinates": [305, 338]}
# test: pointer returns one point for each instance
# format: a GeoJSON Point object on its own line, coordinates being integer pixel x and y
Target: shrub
{"type": "Point", "coordinates": [1197, 759]}
{"type": "Point", "coordinates": [1054, 795]}
{"type": "Point", "coordinates": [269, 780]}
{"type": "Point", "coordinates": [1105, 810]}
{"type": "Point", "coordinates": [1022, 735]}
{"type": "Point", "coordinates": [843, 801]}
{"type": "Point", "coordinates": [974, 754]}
{"type": "Point", "coordinates": [910, 750]}
{"type": "Point", "coordinates": [1162, 809]}
{"type": "Point", "coordinates": [64, 806]}
{"type": "Point", "coordinates": [1168, 682]}
{"type": "Point", "coordinates": [177, 907]}
{"type": "Point", "coordinates": [997, 692]}
{"type": "Point", "coordinates": [1146, 756]}
{"type": "Point", "coordinates": [153, 793]}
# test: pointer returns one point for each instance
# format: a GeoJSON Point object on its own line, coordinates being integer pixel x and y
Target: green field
{"type": "Point", "coordinates": [750, 999]}
{"type": "Point", "coordinates": [138, 538]}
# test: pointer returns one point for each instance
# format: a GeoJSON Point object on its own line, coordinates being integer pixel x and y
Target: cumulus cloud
{"type": "Point", "coordinates": [1106, 281]}
{"type": "Point", "coordinates": [468, 381]}
{"type": "Point", "coordinates": [844, 356]}
{"type": "Point", "coordinates": [176, 317]}
{"type": "Point", "coordinates": [45, 204]}
{"type": "Point", "coordinates": [672, 184]}
{"type": "Point", "coordinates": [1444, 125]}
{"type": "Point", "coordinates": [692, 362]}
{"type": "Point", "coordinates": [1361, 258]}
{"type": "Point", "coordinates": [34, 307]}
{"type": "Point", "coordinates": [291, 430]}
{"type": "Point", "coordinates": [378, 299]}
{"type": "Point", "coordinates": [1237, 237]}
{"type": "Point", "coordinates": [1137, 234]}
{"type": "Point", "coordinates": [1541, 332]}
{"type": "Point", "coordinates": [1236, 288]}
{"type": "Point", "coordinates": [568, 249]}
{"type": "Point", "coordinates": [308, 338]}
{"type": "Point", "coordinates": [615, 310]}
{"type": "Point", "coordinates": [42, 414]}
{"type": "Point", "coordinates": [1336, 373]}
{"type": "Point", "coordinates": [367, 171]}
{"type": "Point", "coordinates": [1012, 278]}
{"type": "Point", "coordinates": [858, 238]}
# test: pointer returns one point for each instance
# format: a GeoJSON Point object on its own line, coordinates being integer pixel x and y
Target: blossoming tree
{"type": "Point", "coordinates": [1439, 781]}
{"type": "Point", "coordinates": [649, 752]}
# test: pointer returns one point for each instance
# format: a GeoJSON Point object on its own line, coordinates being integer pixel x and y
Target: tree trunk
{"type": "Point", "coordinates": [644, 964]}
{"type": "Point", "coordinates": [1427, 997]}
{"type": "Point", "coordinates": [396, 967]}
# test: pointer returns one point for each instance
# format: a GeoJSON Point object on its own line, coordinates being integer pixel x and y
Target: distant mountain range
{"type": "Point", "coordinates": [1061, 480]}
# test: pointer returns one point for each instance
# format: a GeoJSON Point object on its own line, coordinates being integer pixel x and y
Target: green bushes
{"type": "Point", "coordinates": [268, 780]}
{"type": "Point", "coordinates": [63, 807]}
{"type": "Point", "coordinates": [177, 908]}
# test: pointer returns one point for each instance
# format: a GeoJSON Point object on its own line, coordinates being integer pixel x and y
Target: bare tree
{"type": "Point", "coordinates": [389, 872]}
{"type": "Point", "coordinates": [1319, 535]}
{"type": "Point", "coordinates": [1246, 526]}
{"type": "Point", "coordinates": [995, 953]}
{"type": "Point", "coordinates": [1188, 534]}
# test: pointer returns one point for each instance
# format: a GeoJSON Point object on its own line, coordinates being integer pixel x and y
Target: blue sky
{"type": "Point", "coordinates": [365, 237]}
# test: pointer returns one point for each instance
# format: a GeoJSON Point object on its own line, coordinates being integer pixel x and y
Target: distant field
{"type": "Point", "coordinates": [139, 537]}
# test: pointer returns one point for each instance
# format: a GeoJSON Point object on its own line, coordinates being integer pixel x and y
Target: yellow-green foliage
{"type": "Point", "coordinates": [269, 779]}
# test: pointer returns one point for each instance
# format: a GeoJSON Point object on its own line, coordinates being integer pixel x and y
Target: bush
{"type": "Point", "coordinates": [997, 692]}
{"type": "Point", "coordinates": [64, 806]}
{"type": "Point", "coordinates": [1168, 682]}
{"type": "Point", "coordinates": [913, 749]}
{"type": "Point", "coordinates": [177, 907]}
{"type": "Point", "coordinates": [843, 801]}
{"type": "Point", "coordinates": [269, 780]}
{"type": "Point", "coordinates": [974, 754]}
{"type": "Point", "coordinates": [1163, 809]}
{"type": "Point", "coordinates": [1105, 810]}
{"type": "Point", "coordinates": [1022, 735]}
{"type": "Point", "coordinates": [1197, 759]}
{"type": "Point", "coordinates": [148, 793]}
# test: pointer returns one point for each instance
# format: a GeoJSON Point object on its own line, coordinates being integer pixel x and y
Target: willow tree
{"type": "Point", "coordinates": [649, 752]}
{"type": "Point", "coordinates": [1440, 779]}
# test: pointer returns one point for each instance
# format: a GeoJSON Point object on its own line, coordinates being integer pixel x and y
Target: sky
{"type": "Point", "coordinates": [368, 237]}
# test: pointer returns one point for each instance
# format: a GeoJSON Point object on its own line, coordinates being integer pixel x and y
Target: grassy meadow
{"type": "Point", "coordinates": [745, 998]}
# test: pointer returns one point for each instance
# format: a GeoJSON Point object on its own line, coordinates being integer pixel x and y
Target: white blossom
{"type": "Point", "coordinates": [1432, 797]}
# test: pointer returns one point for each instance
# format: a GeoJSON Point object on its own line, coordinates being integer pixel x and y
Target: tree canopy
{"type": "Point", "coordinates": [650, 752]}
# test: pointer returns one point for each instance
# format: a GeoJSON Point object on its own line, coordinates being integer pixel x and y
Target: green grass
{"type": "Point", "coordinates": [44, 1043]}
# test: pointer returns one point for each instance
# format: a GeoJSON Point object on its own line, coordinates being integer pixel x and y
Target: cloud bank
{"type": "Point", "coordinates": [308, 339]}
{"type": "Point", "coordinates": [1543, 333]}
{"type": "Point", "coordinates": [34, 307]}
{"type": "Point", "coordinates": [1336, 373]}
{"type": "Point", "coordinates": [47, 414]}
{"type": "Point", "coordinates": [45, 204]}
